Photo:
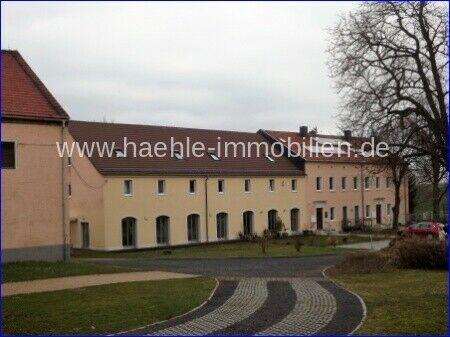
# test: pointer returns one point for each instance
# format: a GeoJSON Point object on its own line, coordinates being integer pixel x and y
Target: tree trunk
{"type": "Point", "coordinates": [435, 188]}
{"type": "Point", "coordinates": [396, 209]}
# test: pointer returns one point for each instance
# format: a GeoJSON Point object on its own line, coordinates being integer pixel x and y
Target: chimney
{"type": "Point", "coordinates": [303, 130]}
{"type": "Point", "coordinates": [347, 134]}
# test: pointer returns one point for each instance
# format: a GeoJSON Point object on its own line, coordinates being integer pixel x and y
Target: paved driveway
{"type": "Point", "coordinates": [259, 296]}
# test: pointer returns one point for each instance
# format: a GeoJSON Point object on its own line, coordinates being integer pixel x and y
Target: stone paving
{"type": "Point", "coordinates": [260, 296]}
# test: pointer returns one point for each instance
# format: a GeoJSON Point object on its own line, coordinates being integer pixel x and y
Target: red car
{"type": "Point", "coordinates": [430, 230]}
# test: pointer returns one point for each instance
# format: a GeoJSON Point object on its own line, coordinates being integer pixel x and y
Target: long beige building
{"type": "Point", "coordinates": [128, 202]}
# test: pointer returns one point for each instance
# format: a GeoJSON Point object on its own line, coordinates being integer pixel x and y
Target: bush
{"type": "Point", "coordinates": [418, 253]}
{"type": "Point", "coordinates": [363, 263]}
{"type": "Point", "coordinates": [298, 245]}
{"type": "Point", "coordinates": [331, 241]}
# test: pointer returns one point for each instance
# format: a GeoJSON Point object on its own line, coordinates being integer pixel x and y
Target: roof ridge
{"type": "Point", "coordinates": [166, 127]}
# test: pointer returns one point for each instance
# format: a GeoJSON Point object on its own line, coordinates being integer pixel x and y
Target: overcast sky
{"type": "Point", "coordinates": [238, 66]}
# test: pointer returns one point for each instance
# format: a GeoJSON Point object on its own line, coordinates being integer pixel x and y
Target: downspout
{"type": "Point", "coordinates": [66, 252]}
{"type": "Point", "coordinates": [363, 211]}
{"type": "Point", "coordinates": [206, 210]}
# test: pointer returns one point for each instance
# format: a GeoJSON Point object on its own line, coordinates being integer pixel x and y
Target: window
{"type": "Point", "coordinates": [356, 214]}
{"type": "Point", "coordinates": [213, 156]}
{"type": "Point", "coordinates": [192, 227]}
{"type": "Point", "coordinates": [294, 219]}
{"type": "Point", "coordinates": [119, 153]}
{"type": "Point", "coordinates": [161, 186]}
{"type": "Point", "coordinates": [247, 185]}
{"type": "Point", "coordinates": [318, 183]}
{"type": "Point", "coordinates": [69, 160]}
{"type": "Point", "coordinates": [388, 209]}
{"type": "Point", "coordinates": [377, 183]}
{"type": "Point", "coordinates": [344, 214]}
{"type": "Point", "coordinates": [222, 225]}
{"type": "Point", "coordinates": [162, 230]}
{"type": "Point", "coordinates": [367, 183]}
{"type": "Point", "coordinates": [294, 185]}
{"type": "Point", "coordinates": [344, 183]}
{"type": "Point", "coordinates": [129, 232]}
{"type": "Point", "coordinates": [388, 182]}
{"type": "Point", "coordinates": [332, 213]}
{"type": "Point", "coordinates": [69, 190]}
{"type": "Point", "coordinates": [177, 154]}
{"type": "Point", "coordinates": [192, 186]}
{"type": "Point", "coordinates": [368, 215]}
{"type": "Point", "coordinates": [270, 158]}
{"type": "Point", "coordinates": [8, 155]}
{"type": "Point", "coordinates": [271, 185]}
{"type": "Point", "coordinates": [128, 187]}
{"type": "Point", "coordinates": [247, 219]}
{"type": "Point", "coordinates": [331, 183]}
{"type": "Point", "coordinates": [355, 183]}
{"type": "Point", "coordinates": [272, 216]}
{"type": "Point", "coordinates": [220, 185]}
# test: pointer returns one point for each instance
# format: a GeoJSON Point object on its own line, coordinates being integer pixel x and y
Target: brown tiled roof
{"type": "Point", "coordinates": [111, 132]}
{"type": "Point", "coordinates": [314, 139]}
{"type": "Point", "coordinates": [23, 93]}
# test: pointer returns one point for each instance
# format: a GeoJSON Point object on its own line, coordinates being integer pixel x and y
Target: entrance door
{"type": "Point", "coordinates": [378, 209]}
{"type": "Point", "coordinates": [319, 218]}
{"type": "Point", "coordinates": [85, 234]}
{"type": "Point", "coordinates": [129, 232]}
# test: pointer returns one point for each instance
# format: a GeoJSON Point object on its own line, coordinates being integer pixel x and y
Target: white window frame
{"type": "Point", "coordinates": [319, 181]}
{"type": "Point", "coordinates": [368, 208]}
{"type": "Point", "coordinates": [331, 183]}
{"type": "Point", "coordinates": [130, 182]}
{"type": "Point", "coordinates": [195, 186]}
{"type": "Point", "coordinates": [221, 182]}
{"type": "Point", "coordinates": [355, 179]}
{"type": "Point", "coordinates": [332, 214]}
{"type": "Point", "coordinates": [365, 185]}
{"type": "Point", "coordinates": [377, 182]}
{"type": "Point", "coordinates": [295, 182]}
{"type": "Point", "coordinates": [163, 185]}
{"type": "Point", "coordinates": [271, 185]}
{"type": "Point", "coordinates": [249, 190]}
{"type": "Point", "coordinates": [344, 183]}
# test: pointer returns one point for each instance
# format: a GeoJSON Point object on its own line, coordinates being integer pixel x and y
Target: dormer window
{"type": "Point", "coordinates": [213, 156]}
{"type": "Point", "coordinates": [269, 158]}
{"type": "Point", "coordinates": [178, 154]}
{"type": "Point", "coordinates": [119, 153]}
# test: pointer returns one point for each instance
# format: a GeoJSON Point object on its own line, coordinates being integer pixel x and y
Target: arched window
{"type": "Point", "coordinates": [247, 219]}
{"type": "Point", "coordinates": [129, 232]}
{"type": "Point", "coordinates": [162, 230]}
{"type": "Point", "coordinates": [193, 221]}
{"type": "Point", "coordinates": [222, 225]}
{"type": "Point", "coordinates": [295, 216]}
{"type": "Point", "coordinates": [272, 219]}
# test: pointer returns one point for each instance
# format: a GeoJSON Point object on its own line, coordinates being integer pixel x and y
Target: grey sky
{"type": "Point", "coordinates": [238, 66]}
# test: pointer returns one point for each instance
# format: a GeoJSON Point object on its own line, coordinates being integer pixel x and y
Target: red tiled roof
{"type": "Point", "coordinates": [23, 93]}
{"type": "Point", "coordinates": [317, 139]}
{"type": "Point", "coordinates": [239, 165]}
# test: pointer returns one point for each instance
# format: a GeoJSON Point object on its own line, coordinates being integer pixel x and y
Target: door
{"type": "Point", "coordinates": [319, 218]}
{"type": "Point", "coordinates": [129, 232]}
{"type": "Point", "coordinates": [85, 234]}
{"type": "Point", "coordinates": [378, 210]}
{"type": "Point", "coordinates": [193, 227]}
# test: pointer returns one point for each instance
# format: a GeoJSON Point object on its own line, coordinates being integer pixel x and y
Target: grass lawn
{"type": "Point", "coordinates": [313, 245]}
{"type": "Point", "coordinates": [102, 309]}
{"type": "Point", "coordinates": [401, 302]}
{"type": "Point", "coordinates": [24, 271]}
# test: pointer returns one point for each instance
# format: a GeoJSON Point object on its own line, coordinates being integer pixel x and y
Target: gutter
{"type": "Point", "coordinates": [206, 210]}
{"type": "Point", "coordinates": [66, 252]}
{"type": "Point", "coordinates": [363, 211]}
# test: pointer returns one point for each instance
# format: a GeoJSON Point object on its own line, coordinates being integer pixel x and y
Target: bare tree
{"type": "Point", "coordinates": [389, 60]}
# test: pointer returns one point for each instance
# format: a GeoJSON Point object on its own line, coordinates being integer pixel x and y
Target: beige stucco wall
{"type": "Point", "coordinates": [86, 202]}
{"type": "Point", "coordinates": [32, 203]}
{"type": "Point", "coordinates": [350, 197]}
{"type": "Point", "coordinates": [146, 205]}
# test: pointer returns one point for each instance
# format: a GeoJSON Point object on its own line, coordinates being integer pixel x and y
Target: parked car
{"type": "Point", "coordinates": [429, 230]}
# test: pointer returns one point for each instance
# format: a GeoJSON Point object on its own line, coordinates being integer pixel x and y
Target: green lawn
{"type": "Point", "coordinates": [401, 302]}
{"type": "Point", "coordinates": [313, 245]}
{"type": "Point", "coordinates": [102, 309]}
{"type": "Point", "coordinates": [24, 271]}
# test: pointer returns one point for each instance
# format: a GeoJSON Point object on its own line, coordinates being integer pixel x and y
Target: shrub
{"type": "Point", "coordinates": [331, 241]}
{"type": "Point", "coordinates": [298, 245]}
{"type": "Point", "coordinates": [345, 240]}
{"type": "Point", "coordinates": [414, 252]}
{"type": "Point", "coordinates": [363, 263]}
